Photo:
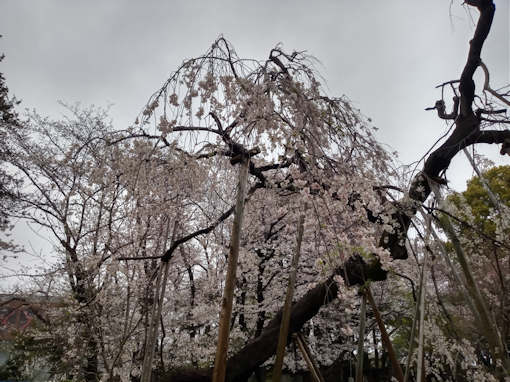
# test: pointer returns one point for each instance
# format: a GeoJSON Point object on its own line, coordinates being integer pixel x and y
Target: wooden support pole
{"type": "Point", "coordinates": [397, 370]}
{"type": "Point", "coordinates": [284, 326]}
{"type": "Point", "coordinates": [361, 340]}
{"type": "Point", "coordinates": [420, 369]}
{"type": "Point", "coordinates": [307, 355]}
{"type": "Point", "coordinates": [413, 328]}
{"type": "Point", "coordinates": [310, 356]}
{"type": "Point", "coordinates": [419, 306]}
{"type": "Point", "coordinates": [220, 362]}
{"type": "Point", "coordinates": [488, 325]}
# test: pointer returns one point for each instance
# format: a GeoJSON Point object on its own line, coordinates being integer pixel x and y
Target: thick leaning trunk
{"type": "Point", "coordinates": [257, 351]}
{"type": "Point", "coordinates": [260, 349]}
{"type": "Point", "coordinates": [467, 132]}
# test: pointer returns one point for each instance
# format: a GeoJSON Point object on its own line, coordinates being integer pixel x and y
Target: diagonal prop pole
{"type": "Point", "coordinates": [493, 198]}
{"type": "Point", "coordinates": [397, 370]}
{"type": "Point", "coordinates": [496, 345]}
{"type": "Point", "coordinates": [220, 362]}
{"type": "Point", "coordinates": [307, 355]}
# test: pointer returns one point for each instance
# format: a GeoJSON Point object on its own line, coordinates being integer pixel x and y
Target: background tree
{"type": "Point", "coordinates": [9, 124]}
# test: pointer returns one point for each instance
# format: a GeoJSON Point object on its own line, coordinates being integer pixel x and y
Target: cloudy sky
{"type": "Point", "coordinates": [386, 56]}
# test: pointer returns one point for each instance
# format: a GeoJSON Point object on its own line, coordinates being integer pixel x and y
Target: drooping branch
{"type": "Point", "coordinates": [467, 132]}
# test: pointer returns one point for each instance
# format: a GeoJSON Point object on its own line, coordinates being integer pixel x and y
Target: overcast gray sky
{"type": "Point", "coordinates": [386, 56]}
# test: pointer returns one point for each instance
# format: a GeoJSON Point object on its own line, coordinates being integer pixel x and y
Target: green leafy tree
{"type": "Point", "coordinates": [477, 199]}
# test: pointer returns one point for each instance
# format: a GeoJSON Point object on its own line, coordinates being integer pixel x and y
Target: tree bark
{"type": "Point", "coordinates": [467, 132]}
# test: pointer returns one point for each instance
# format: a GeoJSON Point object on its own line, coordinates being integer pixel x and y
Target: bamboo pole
{"type": "Point", "coordinates": [284, 326]}
{"type": "Point", "coordinates": [493, 198]}
{"type": "Point", "coordinates": [397, 370]}
{"type": "Point", "coordinates": [310, 356]}
{"type": "Point", "coordinates": [220, 362]}
{"type": "Point", "coordinates": [419, 311]}
{"type": "Point", "coordinates": [420, 373]}
{"type": "Point", "coordinates": [361, 340]}
{"type": "Point", "coordinates": [496, 345]}
{"type": "Point", "coordinates": [307, 355]}
{"type": "Point", "coordinates": [413, 327]}
{"type": "Point", "coordinates": [488, 326]}
{"type": "Point", "coordinates": [460, 283]}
